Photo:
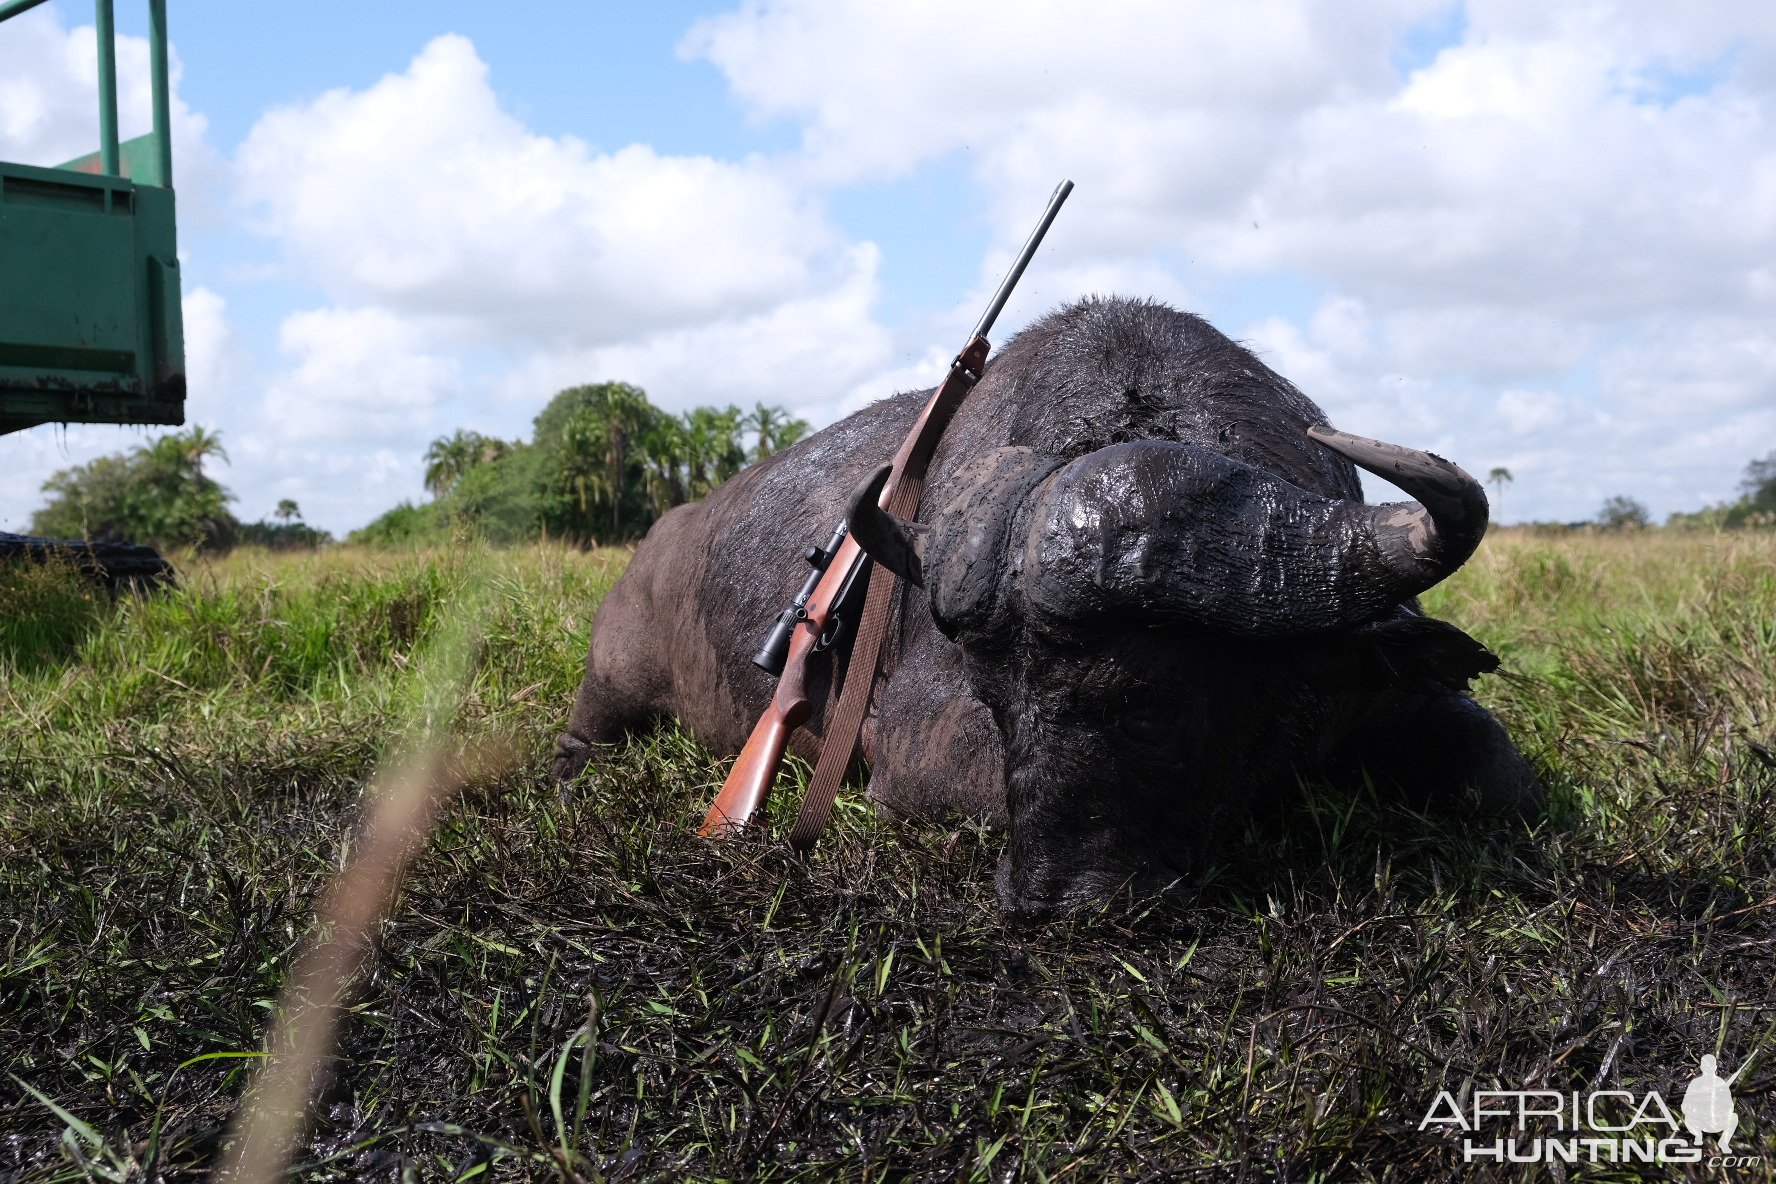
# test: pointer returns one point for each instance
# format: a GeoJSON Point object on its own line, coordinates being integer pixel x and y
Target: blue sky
{"type": "Point", "coordinates": [606, 72]}
{"type": "Point", "coordinates": [1525, 237]}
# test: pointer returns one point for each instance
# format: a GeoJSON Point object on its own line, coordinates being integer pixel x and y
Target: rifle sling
{"type": "Point", "coordinates": [846, 723]}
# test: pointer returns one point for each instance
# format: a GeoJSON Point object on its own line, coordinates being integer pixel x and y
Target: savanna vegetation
{"type": "Point", "coordinates": [159, 494]}
{"type": "Point", "coordinates": [579, 989]}
{"type": "Point", "coordinates": [602, 464]}
{"type": "Point", "coordinates": [1755, 506]}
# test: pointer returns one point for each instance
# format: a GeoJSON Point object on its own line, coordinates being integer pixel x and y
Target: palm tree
{"type": "Point", "coordinates": [583, 446]}
{"type": "Point", "coordinates": [602, 448]}
{"type": "Point", "coordinates": [791, 431]}
{"type": "Point", "coordinates": [663, 448]}
{"type": "Point", "coordinates": [286, 510]}
{"type": "Point", "coordinates": [1498, 479]}
{"type": "Point", "coordinates": [776, 430]}
{"type": "Point", "coordinates": [716, 447]}
{"type": "Point", "coordinates": [449, 457]}
{"type": "Point", "coordinates": [199, 444]}
{"type": "Point", "coordinates": [170, 494]}
{"type": "Point", "coordinates": [624, 417]}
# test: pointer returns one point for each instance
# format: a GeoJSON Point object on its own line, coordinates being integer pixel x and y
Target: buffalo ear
{"type": "Point", "coordinates": [1402, 651]}
{"type": "Point", "coordinates": [975, 555]}
{"type": "Point", "coordinates": [894, 543]}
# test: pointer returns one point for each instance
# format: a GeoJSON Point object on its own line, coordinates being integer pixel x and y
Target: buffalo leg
{"type": "Point", "coordinates": [621, 689]}
{"type": "Point", "coordinates": [591, 724]}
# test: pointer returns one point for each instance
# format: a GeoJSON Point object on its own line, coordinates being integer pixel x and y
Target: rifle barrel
{"type": "Point", "coordinates": [1023, 260]}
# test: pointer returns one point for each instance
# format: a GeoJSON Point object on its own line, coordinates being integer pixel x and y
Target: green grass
{"type": "Point", "coordinates": [581, 989]}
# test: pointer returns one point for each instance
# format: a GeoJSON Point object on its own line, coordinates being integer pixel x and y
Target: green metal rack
{"type": "Point", "coordinates": [90, 323]}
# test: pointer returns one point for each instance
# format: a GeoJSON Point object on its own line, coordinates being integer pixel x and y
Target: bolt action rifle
{"type": "Point", "coordinates": [813, 621]}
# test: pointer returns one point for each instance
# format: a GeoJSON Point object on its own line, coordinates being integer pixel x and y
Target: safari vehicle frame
{"type": "Point", "coordinates": [90, 323]}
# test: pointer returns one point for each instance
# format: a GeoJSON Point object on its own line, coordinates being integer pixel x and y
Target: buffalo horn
{"type": "Point", "coordinates": [1164, 531]}
{"type": "Point", "coordinates": [1436, 536]}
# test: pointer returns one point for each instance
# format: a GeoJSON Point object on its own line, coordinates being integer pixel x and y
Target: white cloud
{"type": "Point", "coordinates": [798, 353]}
{"type": "Point", "coordinates": [49, 97]}
{"type": "Point", "coordinates": [476, 267]}
{"type": "Point", "coordinates": [1699, 367]}
{"type": "Point", "coordinates": [361, 375]}
{"type": "Point", "coordinates": [28, 459]}
{"type": "Point", "coordinates": [219, 367]}
{"type": "Point", "coordinates": [1491, 344]}
{"type": "Point", "coordinates": [49, 107]}
{"type": "Point", "coordinates": [1524, 413]}
{"type": "Point", "coordinates": [1344, 327]}
{"type": "Point", "coordinates": [334, 426]}
{"type": "Point", "coordinates": [336, 487]}
{"type": "Point", "coordinates": [421, 193]}
{"type": "Point", "coordinates": [1547, 242]}
{"type": "Point", "coordinates": [881, 87]}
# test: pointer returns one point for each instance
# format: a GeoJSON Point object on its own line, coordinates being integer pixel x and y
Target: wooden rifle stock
{"type": "Point", "coordinates": [749, 783]}
{"type": "Point", "coordinates": [748, 786]}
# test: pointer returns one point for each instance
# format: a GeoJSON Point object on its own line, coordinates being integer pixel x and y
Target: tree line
{"type": "Point", "coordinates": [1754, 508]}
{"type": "Point", "coordinates": [603, 463]}
{"type": "Point", "coordinates": [601, 466]}
{"type": "Point", "coordinates": [158, 493]}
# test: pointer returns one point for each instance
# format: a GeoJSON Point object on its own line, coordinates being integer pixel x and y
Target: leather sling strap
{"type": "Point", "coordinates": [846, 723]}
{"type": "Point", "coordinates": [847, 720]}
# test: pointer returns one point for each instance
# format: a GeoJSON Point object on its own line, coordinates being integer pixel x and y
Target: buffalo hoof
{"type": "Point", "coordinates": [572, 755]}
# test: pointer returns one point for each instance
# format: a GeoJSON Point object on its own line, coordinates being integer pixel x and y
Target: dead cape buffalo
{"type": "Point", "coordinates": [1144, 593]}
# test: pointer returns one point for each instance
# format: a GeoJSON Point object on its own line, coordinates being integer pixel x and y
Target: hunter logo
{"type": "Point", "coordinates": [1601, 1126]}
{"type": "Point", "coordinates": [1708, 1105]}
